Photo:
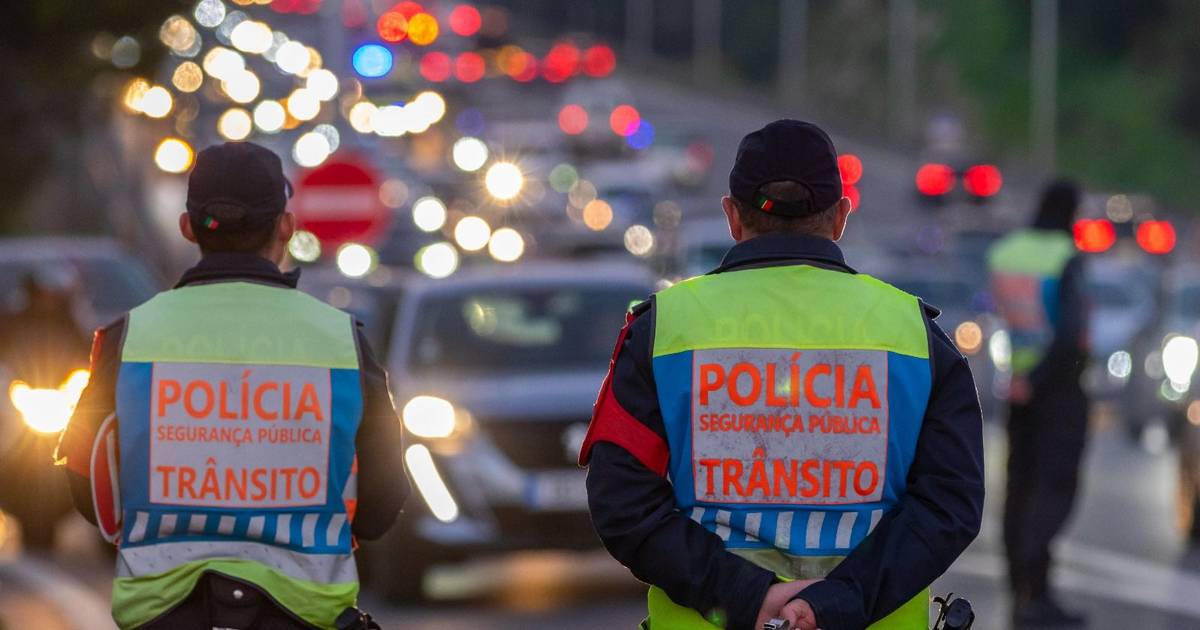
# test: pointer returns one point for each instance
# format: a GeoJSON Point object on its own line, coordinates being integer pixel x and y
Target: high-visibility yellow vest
{"type": "Point", "coordinates": [793, 397]}
{"type": "Point", "coordinates": [1026, 268]}
{"type": "Point", "coordinates": [237, 409]}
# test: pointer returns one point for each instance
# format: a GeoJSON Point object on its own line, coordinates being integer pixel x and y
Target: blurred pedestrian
{"type": "Point", "coordinates": [237, 434]}
{"type": "Point", "coordinates": [784, 437]}
{"type": "Point", "coordinates": [1038, 282]}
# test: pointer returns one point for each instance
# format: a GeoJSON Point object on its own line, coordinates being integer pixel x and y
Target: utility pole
{"type": "Point", "coordinates": [902, 67]}
{"type": "Point", "coordinates": [706, 41]}
{"type": "Point", "coordinates": [639, 29]}
{"type": "Point", "coordinates": [792, 75]}
{"type": "Point", "coordinates": [1043, 72]}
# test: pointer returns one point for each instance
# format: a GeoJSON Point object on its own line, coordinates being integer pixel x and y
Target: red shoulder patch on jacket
{"type": "Point", "coordinates": [104, 477]}
{"type": "Point", "coordinates": [612, 423]}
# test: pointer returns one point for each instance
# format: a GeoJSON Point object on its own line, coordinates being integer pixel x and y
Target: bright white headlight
{"type": "Point", "coordinates": [1179, 356]}
{"type": "Point", "coordinates": [429, 417]}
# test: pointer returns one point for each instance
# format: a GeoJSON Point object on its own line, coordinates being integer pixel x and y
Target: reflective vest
{"type": "Point", "coordinates": [237, 409]}
{"type": "Point", "coordinates": [793, 397]}
{"type": "Point", "coordinates": [1026, 268]}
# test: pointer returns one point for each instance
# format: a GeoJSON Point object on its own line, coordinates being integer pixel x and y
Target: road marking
{"type": "Point", "coordinates": [82, 608]}
{"type": "Point", "coordinates": [1103, 574]}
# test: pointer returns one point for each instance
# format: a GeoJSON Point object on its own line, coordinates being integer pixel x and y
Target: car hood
{"type": "Point", "coordinates": [534, 396]}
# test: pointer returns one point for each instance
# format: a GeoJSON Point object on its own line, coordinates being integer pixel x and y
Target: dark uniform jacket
{"type": "Point", "coordinates": [633, 506]}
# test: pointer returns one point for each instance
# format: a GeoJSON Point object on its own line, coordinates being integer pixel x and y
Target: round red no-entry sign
{"type": "Point", "coordinates": [338, 202]}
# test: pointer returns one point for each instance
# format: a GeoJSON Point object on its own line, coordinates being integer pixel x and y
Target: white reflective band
{"type": "Point", "coordinates": [138, 533]}
{"type": "Point", "coordinates": [351, 489]}
{"type": "Point", "coordinates": [308, 530]}
{"type": "Point", "coordinates": [255, 528]}
{"type": "Point", "coordinates": [197, 523]}
{"type": "Point", "coordinates": [753, 522]}
{"type": "Point", "coordinates": [334, 531]}
{"type": "Point", "coordinates": [159, 558]}
{"type": "Point", "coordinates": [283, 529]}
{"type": "Point", "coordinates": [845, 527]}
{"type": "Point", "coordinates": [812, 537]}
{"type": "Point", "coordinates": [723, 517]}
{"type": "Point", "coordinates": [166, 525]}
{"type": "Point", "coordinates": [225, 525]}
{"type": "Point", "coordinates": [783, 530]}
{"type": "Point", "coordinates": [875, 516]}
{"type": "Point", "coordinates": [698, 514]}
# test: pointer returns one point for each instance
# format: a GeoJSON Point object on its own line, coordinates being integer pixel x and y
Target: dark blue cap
{"type": "Point", "coordinates": [787, 151]}
{"type": "Point", "coordinates": [237, 186]}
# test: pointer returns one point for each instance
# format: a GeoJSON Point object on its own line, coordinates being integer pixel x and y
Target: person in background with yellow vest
{"type": "Point", "coordinates": [237, 435]}
{"type": "Point", "coordinates": [784, 437]}
{"type": "Point", "coordinates": [1038, 284]}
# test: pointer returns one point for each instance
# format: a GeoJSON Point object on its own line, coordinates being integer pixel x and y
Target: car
{"type": "Point", "coordinates": [494, 371]}
{"type": "Point", "coordinates": [372, 300]}
{"type": "Point", "coordinates": [104, 281]}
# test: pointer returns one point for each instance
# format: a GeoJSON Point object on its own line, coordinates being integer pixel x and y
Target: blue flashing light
{"type": "Point", "coordinates": [641, 138]}
{"type": "Point", "coordinates": [372, 61]}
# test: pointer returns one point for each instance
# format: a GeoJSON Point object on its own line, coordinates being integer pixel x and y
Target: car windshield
{"type": "Point", "coordinates": [111, 284]}
{"type": "Point", "coordinates": [1111, 295]}
{"type": "Point", "coordinates": [533, 329]}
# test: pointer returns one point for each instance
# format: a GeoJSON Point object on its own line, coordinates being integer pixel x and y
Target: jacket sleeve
{"type": "Point", "coordinates": [96, 403]}
{"type": "Point", "coordinates": [939, 515]}
{"type": "Point", "coordinates": [1066, 356]}
{"type": "Point", "coordinates": [383, 484]}
{"type": "Point", "coordinates": [633, 504]}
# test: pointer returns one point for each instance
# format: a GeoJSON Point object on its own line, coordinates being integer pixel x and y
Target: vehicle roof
{"type": "Point", "coordinates": [536, 274]}
{"type": "Point", "coordinates": [32, 248]}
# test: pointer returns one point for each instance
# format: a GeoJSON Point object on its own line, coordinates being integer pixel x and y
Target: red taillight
{"type": "Point", "coordinates": [851, 168]}
{"type": "Point", "coordinates": [1156, 237]}
{"type": "Point", "coordinates": [935, 180]}
{"type": "Point", "coordinates": [983, 180]}
{"type": "Point", "coordinates": [1094, 235]}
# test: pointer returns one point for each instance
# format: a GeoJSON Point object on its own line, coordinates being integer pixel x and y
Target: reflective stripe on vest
{"type": "Point", "coordinates": [237, 405]}
{"type": "Point", "coordinates": [793, 397]}
{"type": "Point", "coordinates": [667, 615]}
{"type": "Point", "coordinates": [1026, 268]}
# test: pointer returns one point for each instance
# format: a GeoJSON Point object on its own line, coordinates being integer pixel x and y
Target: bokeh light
{"type": "Point", "coordinates": [311, 149]}
{"type": "Point", "coordinates": [223, 63]}
{"type": "Point", "coordinates": [642, 138]}
{"type": "Point", "coordinates": [304, 246]}
{"type": "Point", "coordinates": [331, 135]}
{"type": "Point", "coordinates": [504, 180]}
{"type": "Point", "coordinates": [506, 245]}
{"type": "Point", "coordinates": [465, 20]}
{"type": "Point", "coordinates": [209, 13]}
{"type": "Point", "coordinates": [235, 124]}
{"type": "Point", "coordinates": [269, 116]}
{"type": "Point", "coordinates": [472, 233]}
{"type": "Point", "coordinates": [392, 27]}
{"type": "Point", "coordinates": [188, 77]}
{"type": "Point", "coordinates": [178, 34]}
{"type": "Point", "coordinates": [302, 104]}
{"type": "Point", "coordinates": [597, 214]}
{"type": "Point", "coordinates": [851, 169]}
{"type": "Point", "coordinates": [372, 61]}
{"type": "Point", "coordinates": [393, 193]}
{"type": "Point", "coordinates": [572, 119]}
{"type": "Point", "coordinates": [469, 154]}
{"type": "Point", "coordinates": [422, 29]}
{"type": "Point", "coordinates": [355, 260]}
{"type": "Point", "coordinates": [156, 102]}
{"type": "Point", "coordinates": [360, 116]}
{"type": "Point", "coordinates": [438, 260]}
{"type": "Point", "coordinates": [429, 214]}
{"type": "Point", "coordinates": [242, 87]}
{"type": "Point", "coordinates": [599, 61]}
{"type": "Point", "coordinates": [639, 240]}
{"type": "Point", "coordinates": [322, 83]}
{"type": "Point", "coordinates": [624, 120]}
{"type": "Point", "coordinates": [435, 66]}
{"type": "Point", "coordinates": [251, 37]}
{"type": "Point", "coordinates": [563, 177]}
{"type": "Point", "coordinates": [469, 67]}
{"type": "Point", "coordinates": [173, 155]}
{"type": "Point", "coordinates": [292, 57]}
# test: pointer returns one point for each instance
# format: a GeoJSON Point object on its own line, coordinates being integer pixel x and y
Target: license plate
{"type": "Point", "coordinates": [560, 490]}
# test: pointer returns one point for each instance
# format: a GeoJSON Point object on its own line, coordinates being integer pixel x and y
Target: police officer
{"type": "Point", "coordinates": [1038, 283]}
{"type": "Point", "coordinates": [237, 435]}
{"type": "Point", "coordinates": [785, 437]}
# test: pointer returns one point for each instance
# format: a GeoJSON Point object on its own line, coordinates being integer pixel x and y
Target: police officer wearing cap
{"type": "Point", "coordinates": [237, 435]}
{"type": "Point", "coordinates": [784, 437]}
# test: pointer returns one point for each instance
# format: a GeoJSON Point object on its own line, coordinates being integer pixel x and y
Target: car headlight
{"type": "Point", "coordinates": [1120, 365]}
{"type": "Point", "coordinates": [1000, 350]}
{"type": "Point", "coordinates": [48, 410]}
{"type": "Point", "coordinates": [429, 417]}
{"type": "Point", "coordinates": [1179, 356]}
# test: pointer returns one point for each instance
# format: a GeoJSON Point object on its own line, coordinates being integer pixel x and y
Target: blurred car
{"type": "Point", "coordinates": [494, 372]}
{"type": "Point", "coordinates": [372, 300]}
{"type": "Point", "coordinates": [98, 281]}
{"type": "Point", "coordinates": [1122, 290]}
